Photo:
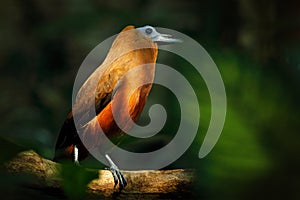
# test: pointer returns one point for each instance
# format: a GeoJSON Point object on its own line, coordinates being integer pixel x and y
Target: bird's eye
{"type": "Point", "coordinates": [148, 31]}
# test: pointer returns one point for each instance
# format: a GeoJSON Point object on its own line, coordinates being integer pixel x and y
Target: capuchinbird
{"type": "Point", "coordinates": [133, 47]}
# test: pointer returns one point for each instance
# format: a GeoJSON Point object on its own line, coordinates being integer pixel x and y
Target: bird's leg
{"type": "Point", "coordinates": [76, 154]}
{"type": "Point", "coordinates": [118, 176]}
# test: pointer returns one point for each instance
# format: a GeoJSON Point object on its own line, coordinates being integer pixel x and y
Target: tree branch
{"type": "Point", "coordinates": [148, 184]}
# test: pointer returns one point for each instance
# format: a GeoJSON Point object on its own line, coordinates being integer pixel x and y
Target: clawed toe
{"type": "Point", "coordinates": [117, 174]}
{"type": "Point", "coordinates": [118, 177]}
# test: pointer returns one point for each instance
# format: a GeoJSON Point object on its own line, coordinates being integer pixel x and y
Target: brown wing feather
{"type": "Point", "coordinates": [68, 136]}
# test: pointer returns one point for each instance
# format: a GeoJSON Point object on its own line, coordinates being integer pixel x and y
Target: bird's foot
{"type": "Point", "coordinates": [117, 174]}
{"type": "Point", "coordinates": [76, 162]}
{"type": "Point", "coordinates": [118, 177]}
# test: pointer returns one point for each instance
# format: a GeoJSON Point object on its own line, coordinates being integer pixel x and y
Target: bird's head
{"type": "Point", "coordinates": [139, 40]}
{"type": "Point", "coordinates": [157, 37]}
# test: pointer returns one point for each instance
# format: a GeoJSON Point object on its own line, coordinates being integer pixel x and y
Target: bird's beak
{"type": "Point", "coordinates": [162, 39]}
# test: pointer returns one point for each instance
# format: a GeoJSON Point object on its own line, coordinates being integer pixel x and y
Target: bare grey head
{"type": "Point", "coordinates": [157, 37]}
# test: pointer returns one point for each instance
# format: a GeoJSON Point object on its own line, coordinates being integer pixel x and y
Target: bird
{"type": "Point", "coordinates": [131, 48]}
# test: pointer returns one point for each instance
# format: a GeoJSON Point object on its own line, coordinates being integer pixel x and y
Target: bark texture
{"type": "Point", "coordinates": [146, 184]}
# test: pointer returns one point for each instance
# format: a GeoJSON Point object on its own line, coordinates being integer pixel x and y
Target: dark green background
{"type": "Point", "coordinates": [255, 44]}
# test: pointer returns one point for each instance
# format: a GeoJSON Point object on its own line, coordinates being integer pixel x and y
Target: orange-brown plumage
{"type": "Point", "coordinates": [116, 95]}
{"type": "Point", "coordinates": [129, 50]}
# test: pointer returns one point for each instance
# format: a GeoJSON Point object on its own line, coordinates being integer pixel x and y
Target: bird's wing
{"type": "Point", "coordinates": [102, 85]}
{"type": "Point", "coordinates": [68, 134]}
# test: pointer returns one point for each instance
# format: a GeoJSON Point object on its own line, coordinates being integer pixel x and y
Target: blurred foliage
{"type": "Point", "coordinates": [13, 148]}
{"type": "Point", "coordinates": [75, 180]}
{"type": "Point", "coordinates": [255, 44]}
